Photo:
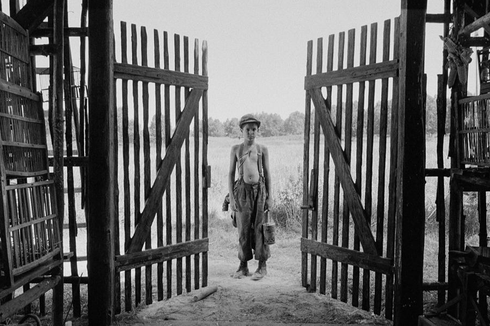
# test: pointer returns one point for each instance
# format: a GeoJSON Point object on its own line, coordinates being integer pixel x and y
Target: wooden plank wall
{"type": "Point", "coordinates": [363, 105]}
{"type": "Point", "coordinates": [149, 106]}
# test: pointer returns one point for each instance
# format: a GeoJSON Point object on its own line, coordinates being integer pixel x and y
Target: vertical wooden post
{"type": "Point", "coordinates": [101, 181]}
{"type": "Point", "coordinates": [58, 139]}
{"type": "Point", "coordinates": [411, 165]}
{"type": "Point", "coordinates": [456, 220]}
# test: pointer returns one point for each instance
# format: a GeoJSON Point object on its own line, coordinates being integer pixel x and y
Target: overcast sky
{"type": "Point", "coordinates": [257, 48]}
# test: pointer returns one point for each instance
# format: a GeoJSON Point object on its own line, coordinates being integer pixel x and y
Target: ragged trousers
{"type": "Point", "coordinates": [250, 199]}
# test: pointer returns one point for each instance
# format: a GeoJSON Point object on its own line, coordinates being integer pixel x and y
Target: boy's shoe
{"type": "Point", "coordinates": [242, 271]}
{"type": "Point", "coordinates": [260, 272]}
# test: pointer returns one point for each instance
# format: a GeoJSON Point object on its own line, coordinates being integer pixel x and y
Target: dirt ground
{"type": "Point", "coordinates": [277, 299]}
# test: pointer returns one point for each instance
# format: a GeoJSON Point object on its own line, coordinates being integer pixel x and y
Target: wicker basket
{"type": "Point", "coordinates": [474, 130]}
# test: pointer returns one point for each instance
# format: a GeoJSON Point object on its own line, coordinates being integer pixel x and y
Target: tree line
{"type": "Point", "coordinates": [273, 125]}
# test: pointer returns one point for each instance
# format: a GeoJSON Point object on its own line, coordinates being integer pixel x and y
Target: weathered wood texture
{"type": "Point", "coordinates": [354, 133]}
{"type": "Point", "coordinates": [30, 228]}
{"type": "Point", "coordinates": [101, 177]}
{"type": "Point", "coordinates": [411, 165]}
{"type": "Point", "coordinates": [163, 197]}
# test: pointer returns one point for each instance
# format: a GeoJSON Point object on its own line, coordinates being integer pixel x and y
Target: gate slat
{"type": "Point", "coordinates": [136, 155]}
{"type": "Point", "coordinates": [383, 129]}
{"type": "Point", "coordinates": [158, 158]}
{"type": "Point", "coordinates": [205, 164]}
{"type": "Point", "coordinates": [347, 152]}
{"type": "Point", "coordinates": [359, 157]}
{"type": "Point", "coordinates": [178, 166]}
{"type": "Point", "coordinates": [168, 224]}
{"type": "Point", "coordinates": [126, 187]}
{"type": "Point", "coordinates": [187, 178]}
{"type": "Point", "coordinates": [369, 159]}
{"type": "Point", "coordinates": [390, 236]}
{"type": "Point", "coordinates": [306, 160]}
{"type": "Point", "coordinates": [338, 133]}
{"type": "Point", "coordinates": [314, 174]}
{"type": "Point", "coordinates": [326, 174]}
{"type": "Point", "coordinates": [196, 174]}
{"type": "Point", "coordinates": [146, 159]}
{"type": "Point", "coordinates": [117, 231]}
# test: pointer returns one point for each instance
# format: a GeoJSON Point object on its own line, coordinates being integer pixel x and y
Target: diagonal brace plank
{"type": "Point", "coordinates": [343, 171]}
{"type": "Point", "coordinates": [164, 172]}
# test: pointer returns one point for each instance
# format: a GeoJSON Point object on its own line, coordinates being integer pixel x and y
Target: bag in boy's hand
{"type": "Point", "coordinates": [226, 203]}
{"type": "Point", "coordinates": [269, 229]}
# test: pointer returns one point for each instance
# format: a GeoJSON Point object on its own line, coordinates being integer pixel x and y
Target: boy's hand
{"type": "Point", "coordinates": [233, 204]}
{"type": "Point", "coordinates": [268, 203]}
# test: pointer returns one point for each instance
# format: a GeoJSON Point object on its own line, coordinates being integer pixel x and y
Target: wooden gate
{"type": "Point", "coordinates": [352, 225]}
{"type": "Point", "coordinates": [162, 119]}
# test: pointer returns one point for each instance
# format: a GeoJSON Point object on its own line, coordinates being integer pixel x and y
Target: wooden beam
{"type": "Point", "coordinates": [475, 41]}
{"type": "Point", "coordinates": [69, 31]}
{"type": "Point", "coordinates": [161, 76]}
{"type": "Point", "coordinates": [164, 172]}
{"type": "Point", "coordinates": [482, 22]}
{"type": "Point", "coordinates": [343, 171]}
{"type": "Point", "coordinates": [438, 18]}
{"type": "Point", "coordinates": [475, 15]}
{"type": "Point", "coordinates": [30, 276]}
{"type": "Point", "coordinates": [353, 75]}
{"type": "Point", "coordinates": [11, 307]}
{"type": "Point", "coordinates": [56, 101]}
{"type": "Point", "coordinates": [101, 181]}
{"type": "Point", "coordinates": [33, 13]}
{"type": "Point", "coordinates": [42, 49]}
{"type": "Point", "coordinates": [18, 90]}
{"type": "Point", "coordinates": [348, 256]}
{"type": "Point", "coordinates": [411, 165]}
{"type": "Point", "coordinates": [159, 255]}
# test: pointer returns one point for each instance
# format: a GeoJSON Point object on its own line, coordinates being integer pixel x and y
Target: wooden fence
{"type": "Point", "coordinates": [162, 172]}
{"type": "Point", "coordinates": [349, 193]}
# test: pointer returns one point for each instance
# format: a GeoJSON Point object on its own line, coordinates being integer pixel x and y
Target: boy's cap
{"type": "Point", "coordinates": [248, 118]}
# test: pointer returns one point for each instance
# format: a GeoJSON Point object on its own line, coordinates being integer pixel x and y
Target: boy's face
{"type": "Point", "coordinates": [249, 131]}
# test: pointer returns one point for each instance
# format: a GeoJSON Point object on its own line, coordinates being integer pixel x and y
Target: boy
{"type": "Point", "coordinates": [250, 196]}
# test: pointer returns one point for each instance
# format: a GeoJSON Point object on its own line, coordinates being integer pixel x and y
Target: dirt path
{"type": "Point", "coordinates": [279, 298]}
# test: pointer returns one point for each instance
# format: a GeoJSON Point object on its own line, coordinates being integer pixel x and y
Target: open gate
{"type": "Point", "coordinates": [162, 201]}
{"type": "Point", "coordinates": [349, 213]}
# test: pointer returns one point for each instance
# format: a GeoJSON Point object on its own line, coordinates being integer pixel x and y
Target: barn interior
{"type": "Point", "coordinates": [59, 126]}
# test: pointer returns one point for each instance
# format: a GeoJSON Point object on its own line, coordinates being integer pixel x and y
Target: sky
{"type": "Point", "coordinates": [257, 48]}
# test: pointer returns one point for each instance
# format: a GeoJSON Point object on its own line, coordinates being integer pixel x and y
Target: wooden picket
{"type": "Point", "coordinates": [360, 143]}
{"type": "Point", "coordinates": [174, 160]}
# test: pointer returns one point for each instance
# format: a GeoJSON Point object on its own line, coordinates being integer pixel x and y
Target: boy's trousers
{"type": "Point", "coordinates": [250, 200]}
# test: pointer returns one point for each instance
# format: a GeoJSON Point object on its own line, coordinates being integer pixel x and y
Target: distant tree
{"type": "Point", "coordinates": [215, 128]}
{"type": "Point", "coordinates": [294, 124]}
{"type": "Point", "coordinates": [431, 115]}
{"type": "Point", "coordinates": [153, 126]}
{"type": "Point", "coordinates": [271, 124]}
{"type": "Point", "coordinates": [231, 128]}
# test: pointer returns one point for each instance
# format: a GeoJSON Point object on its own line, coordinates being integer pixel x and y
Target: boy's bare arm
{"type": "Point", "coordinates": [231, 176]}
{"type": "Point", "coordinates": [267, 175]}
